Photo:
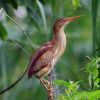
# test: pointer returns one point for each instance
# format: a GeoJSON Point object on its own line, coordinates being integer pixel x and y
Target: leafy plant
{"type": "Point", "coordinates": [72, 88]}
{"type": "Point", "coordinates": [92, 70]}
{"type": "Point", "coordinates": [76, 3]}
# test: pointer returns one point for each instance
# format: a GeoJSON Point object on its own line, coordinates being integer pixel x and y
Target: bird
{"type": "Point", "coordinates": [42, 63]}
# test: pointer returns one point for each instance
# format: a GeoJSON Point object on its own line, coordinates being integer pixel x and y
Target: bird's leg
{"type": "Point", "coordinates": [46, 84]}
{"type": "Point", "coordinates": [50, 77]}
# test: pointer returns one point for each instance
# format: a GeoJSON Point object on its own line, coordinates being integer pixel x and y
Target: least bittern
{"type": "Point", "coordinates": [48, 54]}
{"type": "Point", "coordinates": [42, 63]}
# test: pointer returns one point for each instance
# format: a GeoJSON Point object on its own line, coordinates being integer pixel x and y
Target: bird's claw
{"type": "Point", "coordinates": [48, 85]}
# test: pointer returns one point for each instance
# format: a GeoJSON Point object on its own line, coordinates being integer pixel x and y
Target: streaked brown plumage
{"type": "Point", "coordinates": [48, 54]}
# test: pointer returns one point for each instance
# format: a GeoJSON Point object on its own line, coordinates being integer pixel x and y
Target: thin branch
{"type": "Point", "coordinates": [20, 46]}
{"type": "Point", "coordinates": [14, 83]}
{"type": "Point", "coordinates": [22, 31]}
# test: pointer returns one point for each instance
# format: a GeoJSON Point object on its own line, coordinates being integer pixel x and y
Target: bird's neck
{"type": "Point", "coordinates": [59, 35]}
{"type": "Point", "coordinates": [59, 39]}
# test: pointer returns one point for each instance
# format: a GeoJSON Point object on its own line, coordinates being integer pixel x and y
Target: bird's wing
{"type": "Point", "coordinates": [42, 58]}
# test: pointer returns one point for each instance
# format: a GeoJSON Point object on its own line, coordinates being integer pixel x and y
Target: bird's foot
{"type": "Point", "coordinates": [43, 83]}
{"type": "Point", "coordinates": [48, 85]}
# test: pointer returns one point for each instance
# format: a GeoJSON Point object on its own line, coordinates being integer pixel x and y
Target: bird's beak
{"type": "Point", "coordinates": [70, 19]}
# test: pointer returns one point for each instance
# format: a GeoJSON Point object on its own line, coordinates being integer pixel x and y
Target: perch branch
{"type": "Point", "coordinates": [49, 88]}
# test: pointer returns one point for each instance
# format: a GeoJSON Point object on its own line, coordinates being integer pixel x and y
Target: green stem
{"type": "Point", "coordinates": [95, 5]}
{"type": "Point", "coordinates": [96, 34]}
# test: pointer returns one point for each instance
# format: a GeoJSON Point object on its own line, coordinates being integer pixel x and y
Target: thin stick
{"type": "Point", "coordinates": [20, 47]}
{"type": "Point", "coordinates": [15, 83]}
{"type": "Point", "coordinates": [22, 31]}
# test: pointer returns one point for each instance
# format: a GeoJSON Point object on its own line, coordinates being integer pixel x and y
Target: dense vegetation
{"type": "Point", "coordinates": [77, 74]}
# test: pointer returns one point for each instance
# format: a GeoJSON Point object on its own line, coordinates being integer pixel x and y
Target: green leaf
{"type": "Point", "coordinates": [91, 95]}
{"type": "Point", "coordinates": [92, 70]}
{"type": "Point", "coordinates": [42, 1]}
{"type": "Point", "coordinates": [95, 95]}
{"type": "Point", "coordinates": [61, 97]}
{"type": "Point", "coordinates": [90, 79]}
{"type": "Point", "coordinates": [3, 32]}
{"type": "Point", "coordinates": [13, 3]}
{"type": "Point", "coordinates": [92, 65]}
{"type": "Point", "coordinates": [61, 82]}
{"type": "Point", "coordinates": [98, 60]}
{"type": "Point", "coordinates": [73, 86]}
{"type": "Point", "coordinates": [95, 73]}
{"type": "Point", "coordinates": [96, 82]}
{"type": "Point", "coordinates": [76, 3]}
{"type": "Point", "coordinates": [3, 4]}
{"type": "Point", "coordinates": [42, 13]}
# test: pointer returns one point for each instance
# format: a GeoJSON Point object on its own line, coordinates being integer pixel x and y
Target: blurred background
{"type": "Point", "coordinates": [37, 18]}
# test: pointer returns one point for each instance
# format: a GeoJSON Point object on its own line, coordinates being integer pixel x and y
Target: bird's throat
{"type": "Point", "coordinates": [60, 41]}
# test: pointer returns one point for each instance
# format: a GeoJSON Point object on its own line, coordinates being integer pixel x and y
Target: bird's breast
{"type": "Point", "coordinates": [60, 45]}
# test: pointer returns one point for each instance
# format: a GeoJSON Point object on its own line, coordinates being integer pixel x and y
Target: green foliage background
{"type": "Point", "coordinates": [38, 17]}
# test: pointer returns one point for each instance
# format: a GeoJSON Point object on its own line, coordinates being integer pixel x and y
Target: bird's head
{"type": "Point", "coordinates": [61, 23]}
